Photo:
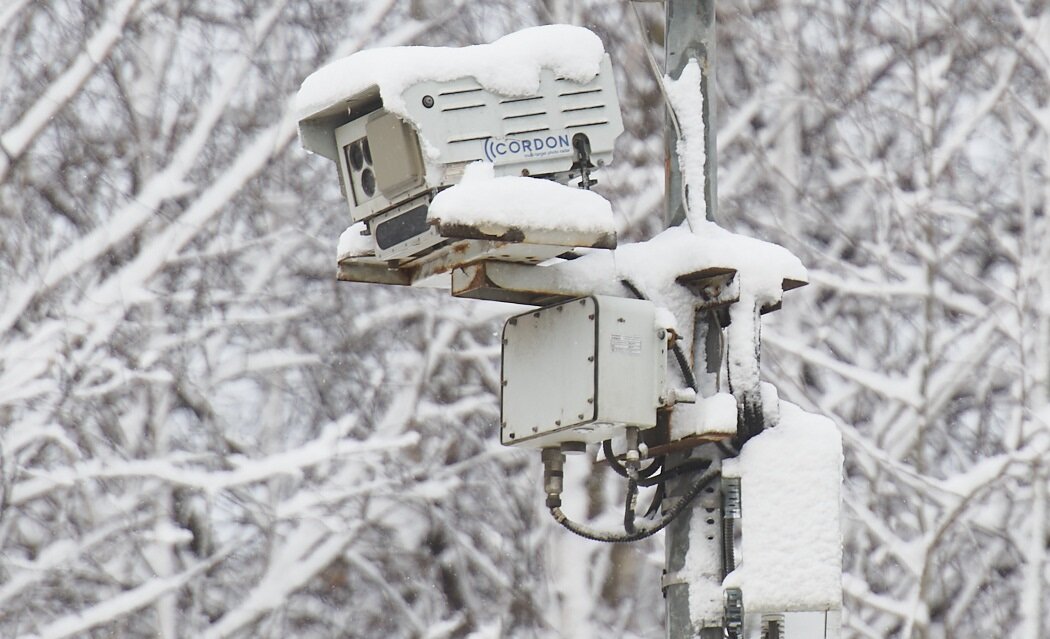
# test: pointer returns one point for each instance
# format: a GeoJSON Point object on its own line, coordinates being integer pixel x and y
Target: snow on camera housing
{"type": "Point", "coordinates": [402, 124]}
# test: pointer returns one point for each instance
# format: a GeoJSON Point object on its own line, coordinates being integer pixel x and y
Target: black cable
{"type": "Point", "coordinates": [640, 532]}
{"type": "Point", "coordinates": [629, 285]}
{"type": "Point", "coordinates": [679, 354]}
{"type": "Point", "coordinates": [614, 463]}
{"type": "Point", "coordinates": [683, 364]}
{"type": "Point", "coordinates": [645, 479]}
{"type": "Point", "coordinates": [629, 506]}
{"type": "Point", "coordinates": [658, 500]}
{"type": "Point", "coordinates": [658, 496]}
{"type": "Point", "coordinates": [687, 466]}
{"type": "Point", "coordinates": [648, 471]}
{"type": "Point", "coordinates": [621, 470]}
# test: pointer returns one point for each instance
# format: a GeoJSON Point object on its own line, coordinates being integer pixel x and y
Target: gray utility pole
{"type": "Point", "coordinates": [690, 34]}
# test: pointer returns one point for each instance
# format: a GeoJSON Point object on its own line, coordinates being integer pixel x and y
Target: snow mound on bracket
{"type": "Point", "coordinates": [791, 551]}
{"type": "Point", "coordinates": [509, 66]}
{"type": "Point", "coordinates": [709, 415]}
{"type": "Point", "coordinates": [355, 242]}
{"type": "Point", "coordinates": [495, 204]}
{"type": "Point", "coordinates": [761, 266]}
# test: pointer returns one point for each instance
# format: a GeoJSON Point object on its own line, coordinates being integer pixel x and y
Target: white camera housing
{"type": "Point", "coordinates": [391, 164]}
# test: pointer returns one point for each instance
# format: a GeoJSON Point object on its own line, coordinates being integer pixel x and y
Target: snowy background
{"type": "Point", "coordinates": [202, 434]}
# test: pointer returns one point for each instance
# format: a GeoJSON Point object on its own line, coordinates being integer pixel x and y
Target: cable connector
{"type": "Point", "coordinates": [553, 475]}
{"type": "Point", "coordinates": [632, 459]}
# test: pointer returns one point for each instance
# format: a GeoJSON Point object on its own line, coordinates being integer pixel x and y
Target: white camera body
{"type": "Point", "coordinates": [391, 165]}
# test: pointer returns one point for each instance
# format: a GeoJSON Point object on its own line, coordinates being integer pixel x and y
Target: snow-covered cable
{"type": "Point", "coordinates": [657, 74]}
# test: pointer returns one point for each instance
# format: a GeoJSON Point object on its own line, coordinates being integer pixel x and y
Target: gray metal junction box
{"type": "Point", "coordinates": [581, 371]}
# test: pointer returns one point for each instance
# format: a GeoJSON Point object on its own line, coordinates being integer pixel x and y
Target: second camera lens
{"type": "Point", "coordinates": [368, 182]}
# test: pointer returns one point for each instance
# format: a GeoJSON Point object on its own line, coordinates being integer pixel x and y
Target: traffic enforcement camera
{"type": "Point", "coordinates": [391, 166]}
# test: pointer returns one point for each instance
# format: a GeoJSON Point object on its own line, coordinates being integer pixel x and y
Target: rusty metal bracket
{"type": "Point", "coordinates": [452, 255]}
{"type": "Point", "coordinates": [510, 272]}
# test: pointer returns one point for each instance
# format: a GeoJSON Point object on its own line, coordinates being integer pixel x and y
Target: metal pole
{"type": "Point", "coordinates": [690, 34]}
{"type": "Point", "coordinates": [693, 543]}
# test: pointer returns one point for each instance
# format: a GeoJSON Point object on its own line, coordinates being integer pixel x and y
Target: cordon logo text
{"type": "Point", "coordinates": [504, 150]}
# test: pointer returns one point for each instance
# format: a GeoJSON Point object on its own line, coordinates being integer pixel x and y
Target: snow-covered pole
{"type": "Point", "coordinates": [689, 34]}
{"type": "Point", "coordinates": [693, 565]}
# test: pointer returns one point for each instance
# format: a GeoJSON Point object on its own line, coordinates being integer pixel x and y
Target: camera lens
{"type": "Point", "coordinates": [368, 182]}
{"type": "Point", "coordinates": [356, 156]}
{"type": "Point", "coordinates": [367, 150]}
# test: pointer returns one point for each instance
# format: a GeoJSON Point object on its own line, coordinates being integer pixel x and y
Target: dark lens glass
{"type": "Point", "coordinates": [401, 228]}
{"type": "Point", "coordinates": [356, 156]}
{"type": "Point", "coordinates": [368, 182]}
{"type": "Point", "coordinates": [367, 150]}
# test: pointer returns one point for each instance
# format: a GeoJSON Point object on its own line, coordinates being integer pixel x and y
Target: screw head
{"type": "Point", "coordinates": [428, 101]}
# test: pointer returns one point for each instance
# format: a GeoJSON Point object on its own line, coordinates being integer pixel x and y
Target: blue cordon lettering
{"type": "Point", "coordinates": [504, 149]}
